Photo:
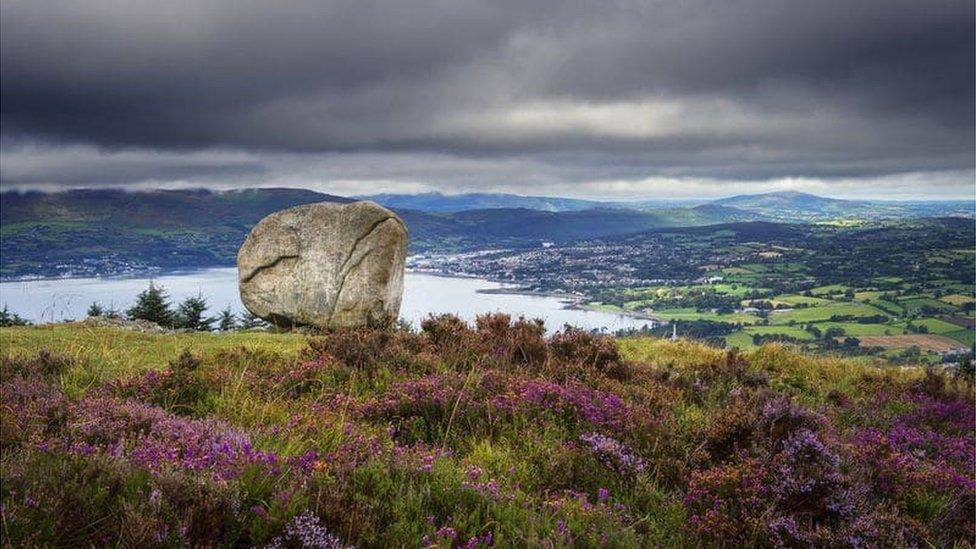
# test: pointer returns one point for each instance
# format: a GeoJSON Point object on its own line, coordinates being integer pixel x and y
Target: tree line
{"type": "Point", "coordinates": [153, 305]}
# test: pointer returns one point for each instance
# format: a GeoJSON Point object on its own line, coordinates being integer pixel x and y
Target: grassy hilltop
{"type": "Point", "coordinates": [474, 436]}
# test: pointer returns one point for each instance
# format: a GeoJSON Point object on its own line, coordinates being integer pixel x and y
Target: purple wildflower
{"type": "Point", "coordinates": [305, 530]}
{"type": "Point", "coordinates": [613, 453]}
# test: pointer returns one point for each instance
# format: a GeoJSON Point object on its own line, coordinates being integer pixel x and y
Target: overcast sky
{"type": "Point", "coordinates": [638, 99]}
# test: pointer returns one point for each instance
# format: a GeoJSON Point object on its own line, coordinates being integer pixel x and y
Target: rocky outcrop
{"type": "Point", "coordinates": [133, 325]}
{"type": "Point", "coordinates": [325, 265]}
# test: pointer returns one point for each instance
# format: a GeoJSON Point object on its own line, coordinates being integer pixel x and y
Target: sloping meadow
{"type": "Point", "coordinates": [476, 436]}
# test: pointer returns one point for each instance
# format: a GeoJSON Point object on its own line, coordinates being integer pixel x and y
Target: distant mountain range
{"type": "Point", "coordinates": [116, 232]}
{"type": "Point", "coordinates": [784, 206]}
{"type": "Point", "coordinates": [797, 207]}
{"type": "Point", "coordinates": [439, 202]}
{"type": "Point", "coordinates": [86, 232]}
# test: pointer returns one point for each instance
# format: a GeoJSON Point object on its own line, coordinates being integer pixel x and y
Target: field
{"type": "Point", "coordinates": [692, 314]}
{"type": "Point", "coordinates": [889, 307]}
{"type": "Point", "coordinates": [470, 436]}
{"type": "Point", "coordinates": [925, 342]}
{"type": "Point", "coordinates": [824, 312]}
{"type": "Point", "coordinates": [737, 290]}
{"type": "Point", "coordinates": [856, 329]}
{"type": "Point", "coordinates": [888, 319]}
{"type": "Point", "coordinates": [966, 337]}
{"type": "Point", "coordinates": [933, 325]}
{"type": "Point", "coordinates": [915, 306]}
{"type": "Point", "coordinates": [957, 299]}
{"type": "Point", "coordinates": [848, 318]}
{"type": "Point", "coordinates": [743, 339]}
{"type": "Point", "coordinates": [801, 300]}
{"type": "Point", "coordinates": [829, 290]}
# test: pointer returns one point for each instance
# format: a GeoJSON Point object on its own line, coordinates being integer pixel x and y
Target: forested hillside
{"type": "Point", "coordinates": [115, 232]}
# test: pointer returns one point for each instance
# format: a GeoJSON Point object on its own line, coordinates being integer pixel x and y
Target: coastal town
{"type": "Point", "coordinates": [803, 285]}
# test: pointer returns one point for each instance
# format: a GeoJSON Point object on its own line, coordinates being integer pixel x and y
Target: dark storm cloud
{"type": "Point", "coordinates": [578, 92]}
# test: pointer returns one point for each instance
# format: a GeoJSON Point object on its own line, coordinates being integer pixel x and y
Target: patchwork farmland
{"type": "Point", "coordinates": [925, 342]}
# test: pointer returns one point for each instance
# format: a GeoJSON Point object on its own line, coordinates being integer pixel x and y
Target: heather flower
{"type": "Point", "coordinates": [613, 453]}
{"type": "Point", "coordinates": [305, 462]}
{"type": "Point", "coordinates": [355, 448]}
{"type": "Point", "coordinates": [305, 530]}
{"type": "Point", "coordinates": [484, 540]}
{"type": "Point", "coordinates": [785, 493]}
{"type": "Point", "coordinates": [931, 446]}
{"type": "Point", "coordinates": [419, 457]}
{"type": "Point", "coordinates": [425, 397]}
{"type": "Point", "coordinates": [152, 438]}
{"type": "Point", "coordinates": [487, 489]}
{"type": "Point", "coordinates": [162, 533]}
{"type": "Point", "coordinates": [473, 473]}
{"type": "Point", "coordinates": [780, 418]}
{"type": "Point", "coordinates": [583, 403]}
{"type": "Point", "coordinates": [888, 467]}
{"type": "Point", "coordinates": [785, 532]}
{"type": "Point", "coordinates": [446, 532]}
{"type": "Point", "coordinates": [30, 404]}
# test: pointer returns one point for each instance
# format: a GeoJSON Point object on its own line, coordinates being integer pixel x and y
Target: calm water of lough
{"type": "Point", "coordinates": [60, 299]}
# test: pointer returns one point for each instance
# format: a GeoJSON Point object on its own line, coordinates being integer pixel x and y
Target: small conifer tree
{"type": "Point", "coordinates": [152, 304]}
{"type": "Point", "coordinates": [95, 309]}
{"type": "Point", "coordinates": [249, 321]}
{"type": "Point", "coordinates": [227, 320]}
{"type": "Point", "coordinates": [190, 315]}
{"type": "Point", "coordinates": [11, 319]}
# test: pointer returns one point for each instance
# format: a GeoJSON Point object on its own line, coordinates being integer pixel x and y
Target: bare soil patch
{"type": "Point", "coordinates": [926, 342]}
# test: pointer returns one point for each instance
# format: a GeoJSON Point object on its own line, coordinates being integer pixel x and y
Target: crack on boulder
{"type": "Point", "coordinates": [271, 265]}
{"type": "Point", "coordinates": [347, 268]}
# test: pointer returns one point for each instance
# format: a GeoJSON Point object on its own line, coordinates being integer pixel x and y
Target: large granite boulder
{"type": "Point", "coordinates": [326, 264]}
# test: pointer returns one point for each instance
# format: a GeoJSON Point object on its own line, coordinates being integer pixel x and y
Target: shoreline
{"type": "Point", "coordinates": [536, 293]}
{"type": "Point", "coordinates": [573, 301]}
{"type": "Point", "coordinates": [570, 301]}
{"type": "Point", "coordinates": [153, 273]}
{"type": "Point", "coordinates": [629, 314]}
{"type": "Point", "coordinates": [511, 288]}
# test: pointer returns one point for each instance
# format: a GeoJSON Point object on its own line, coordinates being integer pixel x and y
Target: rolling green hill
{"type": "Point", "coordinates": [438, 202]}
{"type": "Point", "coordinates": [796, 207]}
{"type": "Point", "coordinates": [114, 232]}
